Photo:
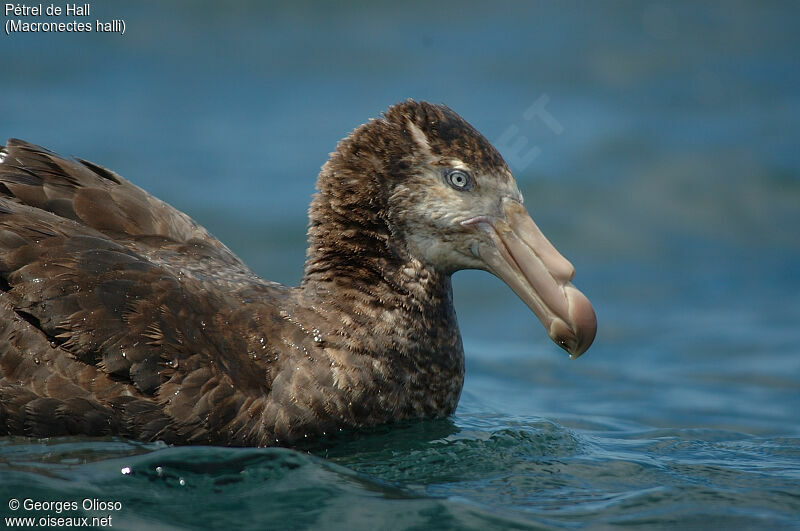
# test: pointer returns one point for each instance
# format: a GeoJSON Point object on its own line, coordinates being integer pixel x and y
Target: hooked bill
{"type": "Point", "coordinates": [523, 258]}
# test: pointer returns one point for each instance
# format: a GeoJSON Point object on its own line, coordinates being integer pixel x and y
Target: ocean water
{"type": "Point", "coordinates": [656, 144]}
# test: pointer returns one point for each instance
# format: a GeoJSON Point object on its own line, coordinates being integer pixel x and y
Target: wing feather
{"type": "Point", "coordinates": [116, 309]}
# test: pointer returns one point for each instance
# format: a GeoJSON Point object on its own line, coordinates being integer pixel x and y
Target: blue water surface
{"type": "Point", "coordinates": [666, 168]}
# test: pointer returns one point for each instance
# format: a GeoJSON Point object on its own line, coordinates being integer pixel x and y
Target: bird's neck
{"type": "Point", "coordinates": [363, 268]}
{"type": "Point", "coordinates": [365, 264]}
{"type": "Point", "coordinates": [382, 304]}
{"type": "Point", "coordinates": [397, 314]}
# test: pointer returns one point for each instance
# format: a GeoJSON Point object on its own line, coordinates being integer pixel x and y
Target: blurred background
{"type": "Point", "coordinates": [656, 144]}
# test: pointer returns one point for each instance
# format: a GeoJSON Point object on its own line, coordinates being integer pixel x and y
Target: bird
{"type": "Point", "coordinates": [122, 316]}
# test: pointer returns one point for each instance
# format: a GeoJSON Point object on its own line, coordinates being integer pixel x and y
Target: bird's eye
{"type": "Point", "coordinates": [458, 179]}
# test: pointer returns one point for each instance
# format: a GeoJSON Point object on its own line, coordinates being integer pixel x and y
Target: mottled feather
{"type": "Point", "coordinates": [121, 315]}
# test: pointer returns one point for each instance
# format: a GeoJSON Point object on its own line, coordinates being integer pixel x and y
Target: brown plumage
{"type": "Point", "coordinates": [120, 315]}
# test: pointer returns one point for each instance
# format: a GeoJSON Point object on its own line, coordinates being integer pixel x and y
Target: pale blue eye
{"type": "Point", "coordinates": [459, 180]}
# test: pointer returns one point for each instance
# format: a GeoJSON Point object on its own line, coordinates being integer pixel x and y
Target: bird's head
{"type": "Point", "coordinates": [435, 180]}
